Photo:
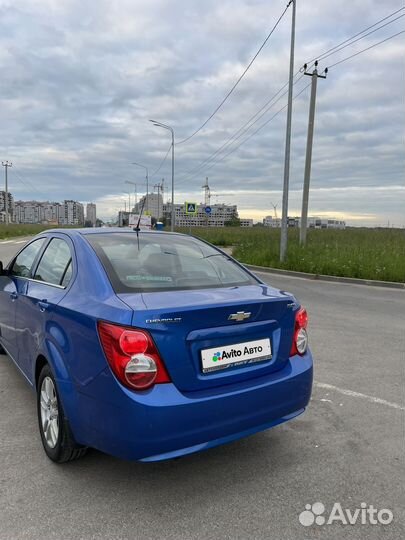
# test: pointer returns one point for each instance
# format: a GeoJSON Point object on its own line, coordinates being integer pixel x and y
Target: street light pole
{"type": "Point", "coordinates": [129, 200]}
{"type": "Point", "coordinates": [164, 126]}
{"type": "Point", "coordinates": [147, 182]}
{"type": "Point", "coordinates": [135, 192]}
{"type": "Point", "coordinates": [284, 216]}
{"type": "Point", "coordinates": [6, 164]}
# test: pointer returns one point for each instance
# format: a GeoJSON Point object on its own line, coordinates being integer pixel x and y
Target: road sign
{"type": "Point", "coordinates": [191, 207]}
{"type": "Point", "coordinates": [208, 210]}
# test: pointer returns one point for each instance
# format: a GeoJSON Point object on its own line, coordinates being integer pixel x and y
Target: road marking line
{"type": "Point", "coordinates": [20, 242]}
{"type": "Point", "coordinates": [7, 242]}
{"type": "Point", "coordinates": [351, 393]}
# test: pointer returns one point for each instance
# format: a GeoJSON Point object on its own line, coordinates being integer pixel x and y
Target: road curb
{"type": "Point", "coordinates": [322, 277]}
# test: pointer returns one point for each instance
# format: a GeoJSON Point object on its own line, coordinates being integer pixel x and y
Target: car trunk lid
{"type": "Point", "coordinates": [190, 327]}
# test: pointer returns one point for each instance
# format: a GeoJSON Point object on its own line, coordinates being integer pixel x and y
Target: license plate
{"type": "Point", "coordinates": [235, 355]}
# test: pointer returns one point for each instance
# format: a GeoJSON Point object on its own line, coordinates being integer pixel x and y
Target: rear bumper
{"type": "Point", "coordinates": [164, 423]}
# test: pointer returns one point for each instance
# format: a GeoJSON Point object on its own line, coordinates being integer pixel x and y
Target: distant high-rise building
{"type": "Point", "coordinates": [91, 213]}
{"type": "Point", "coordinates": [72, 213]}
{"type": "Point", "coordinates": [153, 204]}
{"type": "Point", "coordinates": [3, 207]}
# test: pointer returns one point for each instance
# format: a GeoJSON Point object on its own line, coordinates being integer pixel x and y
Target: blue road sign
{"type": "Point", "coordinates": [208, 210]}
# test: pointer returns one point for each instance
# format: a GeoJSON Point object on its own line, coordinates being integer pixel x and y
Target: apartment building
{"type": "Point", "coordinates": [37, 212]}
{"type": "Point", "coordinates": [72, 213]}
{"type": "Point", "coordinates": [91, 213]}
{"type": "Point", "coordinates": [312, 222]}
{"type": "Point", "coordinates": [152, 205]}
{"type": "Point", "coordinates": [219, 215]}
{"type": "Point", "coordinates": [10, 205]}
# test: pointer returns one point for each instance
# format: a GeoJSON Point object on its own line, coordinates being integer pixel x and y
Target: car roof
{"type": "Point", "coordinates": [105, 230]}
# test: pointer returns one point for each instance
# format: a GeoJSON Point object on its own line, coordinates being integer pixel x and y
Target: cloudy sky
{"type": "Point", "coordinates": [80, 79]}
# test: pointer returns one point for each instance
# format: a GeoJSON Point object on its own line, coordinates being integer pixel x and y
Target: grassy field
{"type": "Point", "coordinates": [359, 253]}
{"type": "Point", "coordinates": [12, 230]}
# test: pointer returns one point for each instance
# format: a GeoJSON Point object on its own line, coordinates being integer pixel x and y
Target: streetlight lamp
{"type": "Point", "coordinates": [135, 192]}
{"type": "Point", "coordinates": [164, 126]}
{"type": "Point", "coordinates": [147, 181]}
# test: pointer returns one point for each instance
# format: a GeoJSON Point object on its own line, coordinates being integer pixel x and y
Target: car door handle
{"type": "Point", "coordinates": [13, 296]}
{"type": "Point", "coordinates": [43, 305]}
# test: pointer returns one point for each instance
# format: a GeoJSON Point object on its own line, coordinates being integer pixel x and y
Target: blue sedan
{"type": "Point", "coordinates": [149, 345]}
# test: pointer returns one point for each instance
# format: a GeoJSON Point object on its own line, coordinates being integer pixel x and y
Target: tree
{"type": "Point", "coordinates": [233, 222]}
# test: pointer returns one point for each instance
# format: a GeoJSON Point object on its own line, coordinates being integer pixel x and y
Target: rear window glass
{"type": "Point", "coordinates": [160, 262]}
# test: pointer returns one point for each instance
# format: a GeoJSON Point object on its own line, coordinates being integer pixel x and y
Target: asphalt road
{"type": "Point", "coordinates": [347, 448]}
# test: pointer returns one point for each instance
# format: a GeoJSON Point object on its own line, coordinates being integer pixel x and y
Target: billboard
{"type": "Point", "coordinates": [145, 222]}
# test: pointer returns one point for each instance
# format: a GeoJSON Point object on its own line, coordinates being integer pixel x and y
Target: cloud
{"type": "Point", "coordinates": [81, 79]}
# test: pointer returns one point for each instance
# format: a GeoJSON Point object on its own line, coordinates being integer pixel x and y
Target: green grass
{"type": "Point", "coordinates": [359, 253]}
{"type": "Point", "coordinates": [13, 230]}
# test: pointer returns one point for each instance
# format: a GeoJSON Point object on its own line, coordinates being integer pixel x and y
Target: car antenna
{"type": "Point", "coordinates": [137, 228]}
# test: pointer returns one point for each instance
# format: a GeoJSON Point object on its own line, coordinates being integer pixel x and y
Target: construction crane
{"type": "Point", "coordinates": [222, 195]}
{"type": "Point", "coordinates": [275, 209]}
{"type": "Point", "coordinates": [207, 193]}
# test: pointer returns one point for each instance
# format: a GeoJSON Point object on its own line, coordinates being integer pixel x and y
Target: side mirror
{"type": "Point", "coordinates": [3, 272]}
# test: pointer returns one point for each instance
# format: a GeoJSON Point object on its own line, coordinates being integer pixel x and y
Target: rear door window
{"type": "Point", "coordinates": [55, 262]}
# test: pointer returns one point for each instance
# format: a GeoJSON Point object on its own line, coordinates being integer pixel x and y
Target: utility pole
{"type": "Point", "coordinates": [129, 201]}
{"type": "Point", "coordinates": [169, 128]}
{"type": "Point", "coordinates": [135, 192]}
{"type": "Point", "coordinates": [6, 164]}
{"type": "Point", "coordinates": [284, 216]}
{"type": "Point", "coordinates": [308, 157]}
{"type": "Point", "coordinates": [163, 192]}
{"type": "Point", "coordinates": [147, 184]}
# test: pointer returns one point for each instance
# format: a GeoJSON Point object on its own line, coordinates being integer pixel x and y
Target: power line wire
{"type": "Point", "coordinates": [28, 184]}
{"type": "Point", "coordinates": [366, 49]}
{"type": "Point", "coordinates": [238, 80]}
{"type": "Point", "coordinates": [322, 57]}
{"type": "Point", "coordinates": [243, 129]}
{"type": "Point", "coordinates": [317, 58]}
{"type": "Point", "coordinates": [355, 35]}
{"type": "Point", "coordinates": [299, 93]}
{"type": "Point", "coordinates": [162, 162]}
{"type": "Point", "coordinates": [249, 137]}
{"type": "Point", "coordinates": [328, 53]}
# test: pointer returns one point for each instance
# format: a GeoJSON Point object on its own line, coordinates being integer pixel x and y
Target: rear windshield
{"type": "Point", "coordinates": [163, 262]}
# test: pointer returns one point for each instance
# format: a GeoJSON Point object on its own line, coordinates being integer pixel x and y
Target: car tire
{"type": "Point", "coordinates": [56, 435]}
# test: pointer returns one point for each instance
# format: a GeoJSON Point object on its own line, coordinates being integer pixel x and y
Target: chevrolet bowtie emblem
{"type": "Point", "coordinates": [239, 316]}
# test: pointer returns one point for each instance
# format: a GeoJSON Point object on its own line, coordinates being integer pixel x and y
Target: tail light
{"type": "Point", "coordinates": [132, 356]}
{"type": "Point", "coordinates": [300, 339]}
